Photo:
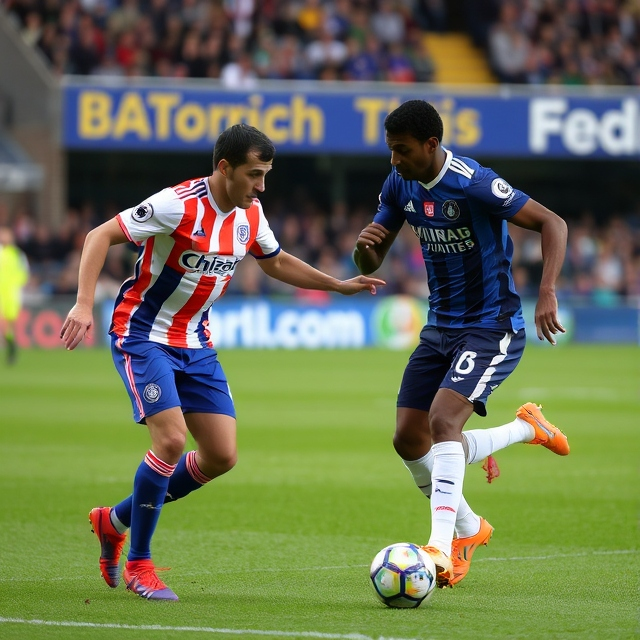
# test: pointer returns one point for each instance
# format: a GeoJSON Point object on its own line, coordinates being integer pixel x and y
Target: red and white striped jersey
{"type": "Point", "coordinates": [189, 252]}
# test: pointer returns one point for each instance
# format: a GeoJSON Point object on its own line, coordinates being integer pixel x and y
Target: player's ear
{"type": "Point", "coordinates": [432, 144]}
{"type": "Point", "coordinates": [223, 167]}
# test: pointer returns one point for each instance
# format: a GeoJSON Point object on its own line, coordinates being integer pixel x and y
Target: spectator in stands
{"type": "Point", "coordinates": [399, 66]}
{"type": "Point", "coordinates": [363, 62]}
{"type": "Point", "coordinates": [325, 51]}
{"type": "Point", "coordinates": [239, 73]}
{"type": "Point", "coordinates": [338, 19]}
{"type": "Point", "coordinates": [32, 30]}
{"type": "Point", "coordinates": [240, 14]}
{"type": "Point", "coordinates": [509, 47]}
{"type": "Point", "coordinates": [311, 19]}
{"type": "Point", "coordinates": [87, 49]}
{"type": "Point", "coordinates": [421, 61]}
{"type": "Point", "coordinates": [194, 64]}
{"type": "Point", "coordinates": [388, 23]}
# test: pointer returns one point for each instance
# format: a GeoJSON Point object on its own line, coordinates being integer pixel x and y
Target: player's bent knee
{"type": "Point", "coordinates": [227, 462]}
{"type": "Point", "coordinates": [169, 447]}
{"type": "Point", "coordinates": [217, 464]}
{"type": "Point", "coordinates": [410, 445]}
{"type": "Point", "coordinates": [443, 428]}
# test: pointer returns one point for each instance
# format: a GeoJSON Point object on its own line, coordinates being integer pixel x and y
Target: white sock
{"type": "Point", "coordinates": [448, 476]}
{"type": "Point", "coordinates": [467, 522]}
{"type": "Point", "coordinates": [420, 469]}
{"type": "Point", "coordinates": [484, 442]}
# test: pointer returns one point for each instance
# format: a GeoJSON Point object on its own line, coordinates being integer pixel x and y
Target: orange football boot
{"type": "Point", "coordinates": [462, 550]}
{"type": "Point", "coordinates": [444, 566]}
{"type": "Point", "coordinates": [141, 579]}
{"type": "Point", "coordinates": [547, 435]}
{"type": "Point", "coordinates": [111, 544]}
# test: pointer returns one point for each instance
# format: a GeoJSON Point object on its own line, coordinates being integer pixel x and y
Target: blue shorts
{"type": "Point", "coordinates": [472, 362]}
{"type": "Point", "coordinates": [158, 377]}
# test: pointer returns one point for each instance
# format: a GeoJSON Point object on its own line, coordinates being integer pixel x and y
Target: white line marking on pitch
{"type": "Point", "coordinates": [237, 632]}
{"type": "Point", "coordinates": [355, 566]}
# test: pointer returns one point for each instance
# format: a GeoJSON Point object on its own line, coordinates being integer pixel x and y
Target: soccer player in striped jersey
{"type": "Point", "coordinates": [191, 238]}
{"type": "Point", "coordinates": [474, 336]}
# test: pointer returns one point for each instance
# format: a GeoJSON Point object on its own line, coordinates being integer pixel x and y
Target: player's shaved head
{"type": "Point", "coordinates": [235, 143]}
{"type": "Point", "coordinates": [416, 118]}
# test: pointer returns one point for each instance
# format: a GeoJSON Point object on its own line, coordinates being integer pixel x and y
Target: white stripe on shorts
{"type": "Point", "coordinates": [491, 369]}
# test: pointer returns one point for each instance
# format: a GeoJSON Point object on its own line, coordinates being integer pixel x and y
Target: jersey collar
{"type": "Point", "coordinates": [445, 167]}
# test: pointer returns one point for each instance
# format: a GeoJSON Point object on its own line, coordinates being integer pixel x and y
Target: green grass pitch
{"type": "Point", "coordinates": [280, 546]}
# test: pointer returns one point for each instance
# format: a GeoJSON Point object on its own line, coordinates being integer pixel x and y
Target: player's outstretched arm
{"type": "Point", "coordinates": [291, 270]}
{"type": "Point", "coordinates": [371, 247]}
{"type": "Point", "coordinates": [94, 253]}
{"type": "Point", "coordinates": [553, 236]}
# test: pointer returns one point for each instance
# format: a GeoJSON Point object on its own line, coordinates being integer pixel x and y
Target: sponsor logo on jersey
{"type": "Point", "coordinates": [409, 207]}
{"type": "Point", "coordinates": [452, 240]}
{"type": "Point", "coordinates": [501, 188]}
{"type": "Point", "coordinates": [243, 233]}
{"type": "Point", "coordinates": [207, 264]}
{"type": "Point", "coordinates": [200, 233]}
{"type": "Point", "coordinates": [152, 392]}
{"type": "Point", "coordinates": [456, 378]}
{"type": "Point", "coordinates": [429, 209]}
{"type": "Point", "coordinates": [142, 212]}
{"type": "Point", "coordinates": [450, 210]}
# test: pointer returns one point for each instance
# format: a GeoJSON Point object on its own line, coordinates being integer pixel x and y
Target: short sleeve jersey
{"type": "Point", "coordinates": [460, 219]}
{"type": "Point", "coordinates": [189, 250]}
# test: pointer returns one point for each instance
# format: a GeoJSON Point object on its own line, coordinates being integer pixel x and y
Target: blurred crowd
{"type": "Point", "coordinates": [242, 41]}
{"type": "Point", "coordinates": [569, 42]}
{"type": "Point", "coordinates": [236, 41]}
{"type": "Point", "coordinates": [602, 264]}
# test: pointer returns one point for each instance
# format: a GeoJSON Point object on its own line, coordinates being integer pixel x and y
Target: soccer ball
{"type": "Point", "coordinates": [403, 575]}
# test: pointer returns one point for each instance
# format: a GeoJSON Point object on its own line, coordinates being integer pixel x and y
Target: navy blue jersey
{"type": "Point", "coordinates": [460, 218]}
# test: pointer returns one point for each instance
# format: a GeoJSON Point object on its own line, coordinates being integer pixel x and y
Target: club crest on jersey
{"type": "Point", "coordinates": [152, 392]}
{"type": "Point", "coordinates": [501, 188]}
{"type": "Point", "coordinates": [450, 210]}
{"type": "Point", "coordinates": [207, 264]}
{"type": "Point", "coordinates": [142, 212]}
{"type": "Point", "coordinates": [429, 209]}
{"type": "Point", "coordinates": [242, 233]}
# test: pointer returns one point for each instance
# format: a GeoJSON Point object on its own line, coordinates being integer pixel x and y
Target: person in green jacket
{"type": "Point", "coordinates": [14, 274]}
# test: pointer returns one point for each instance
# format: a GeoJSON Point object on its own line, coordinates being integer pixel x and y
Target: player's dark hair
{"type": "Point", "coordinates": [417, 118]}
{"type": "Point", "coordinates": [235, 143]}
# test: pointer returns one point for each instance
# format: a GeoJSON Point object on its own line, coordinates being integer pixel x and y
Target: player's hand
{"type": "Point", "coordinates": [358, 284]}
{"type": "Point", "coordinates": [546, 317]}
{"type": "Point", "coordinates": [76, 326]}
{"type": "Point", "coordinates": [371, 236]}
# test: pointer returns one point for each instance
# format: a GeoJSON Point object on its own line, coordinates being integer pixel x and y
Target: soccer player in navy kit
{"type": "Point", "coordinates": [474, 336]}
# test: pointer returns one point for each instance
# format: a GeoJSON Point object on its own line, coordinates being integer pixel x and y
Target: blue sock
{"type": "Point", "coordinates": [149, 489]}
{"type": "Point", "coordinates": [181, 483]}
